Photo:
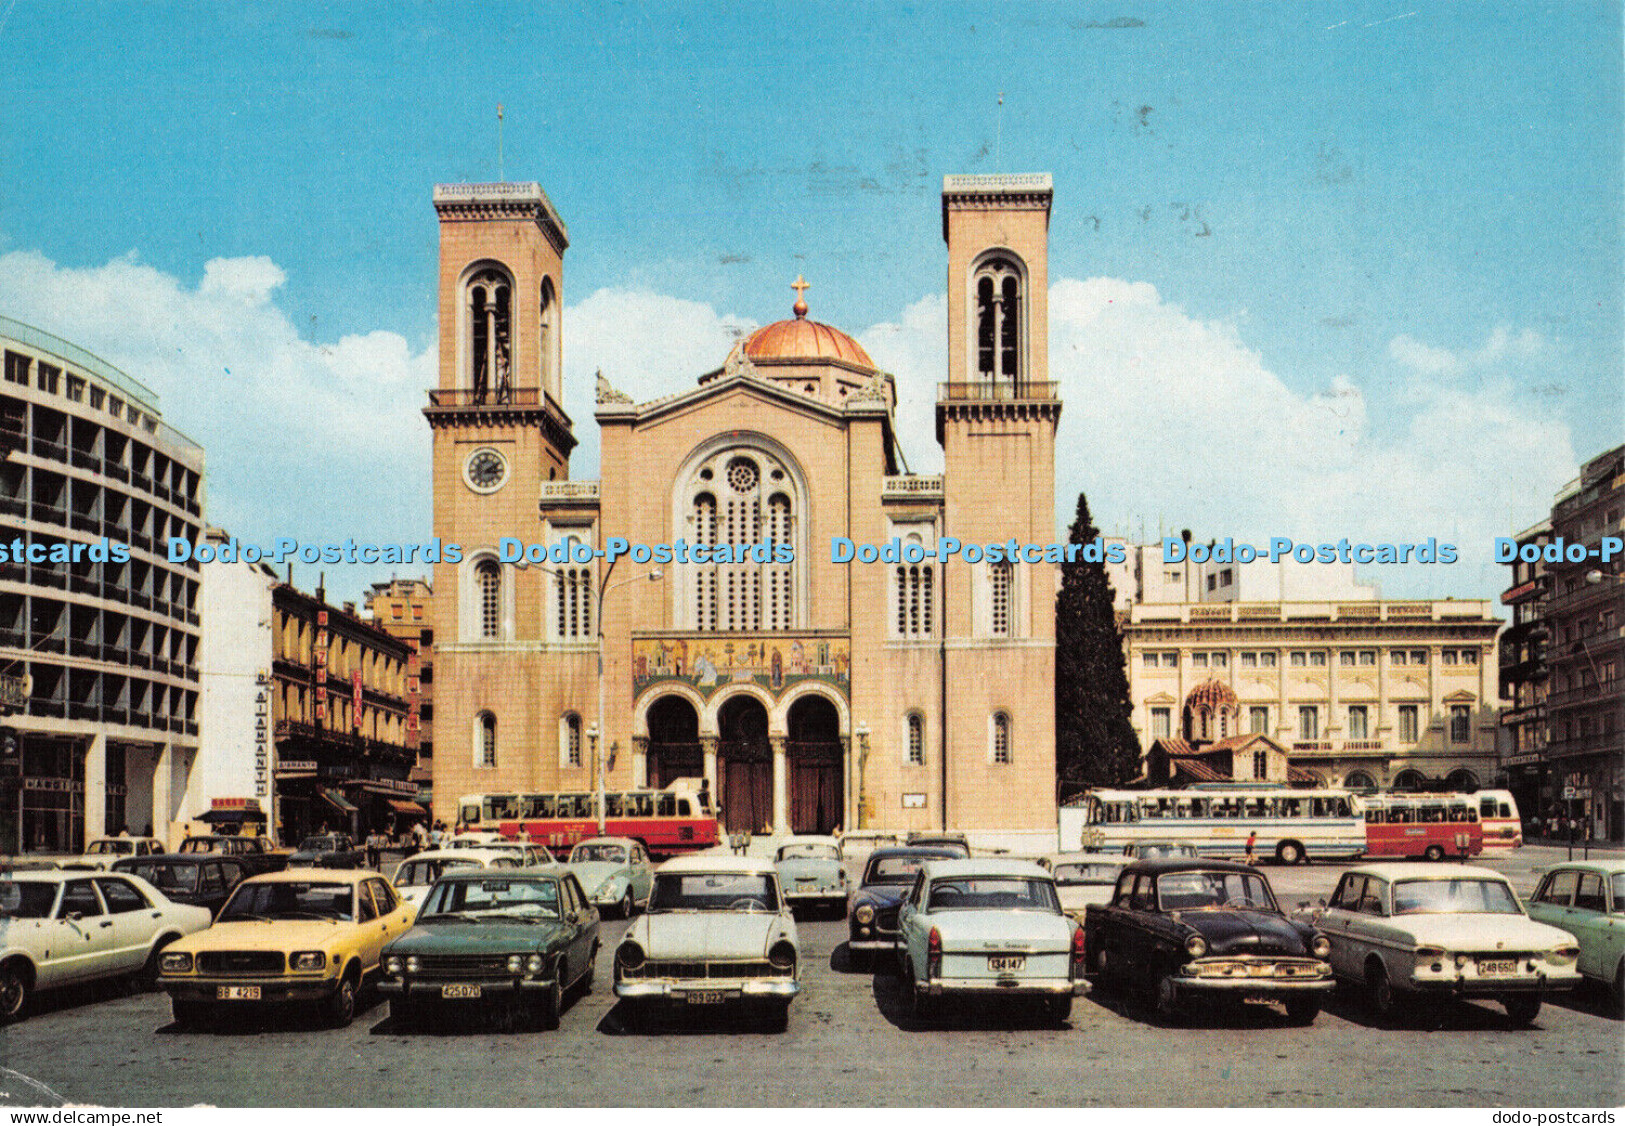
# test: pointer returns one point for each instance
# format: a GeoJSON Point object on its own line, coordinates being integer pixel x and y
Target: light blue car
{"type": "Point", "coordinates": [615, 871]}
{"type": "Point", "coordinates": [811, 874]}
{"type": "Point", "coordinates": [988, 928]}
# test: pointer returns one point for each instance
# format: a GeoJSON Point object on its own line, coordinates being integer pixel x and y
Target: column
{"type": "Point", "coordinates": [781, 785]}
{"type": "Point", "coordinates": [640, 761]}
{"type": "Point", "coordinates": [96, 788]}
{"type": "Point", "coordinates": [708, 744]}
{"type": "Point", "coordinates": [163, 782]}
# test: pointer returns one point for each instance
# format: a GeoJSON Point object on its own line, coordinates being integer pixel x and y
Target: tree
{"type": "Point", "coordinates": [1095, 744]}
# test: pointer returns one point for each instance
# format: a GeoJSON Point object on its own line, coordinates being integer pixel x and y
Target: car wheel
{"type": "Point", "coordinates": [1289, 852]}
{"type": "Point", "coordinates": [549, 1005]}
{"type": "Point", "coordinates": [921, 1006]}
{"type": "Point", "coordinates": [189, 1014]}
{"type": "Point", "coordinates": [1434, 852]}
{"type": "Point", "coordinates": [1058, 1010]}
{"type": "Point", "coordinates": [1521, 1011]}
{"type": "Point", "coordinates": [858, 959]}
{"type": "Point", "coordinates": [592, 971]}
{"type": "Point", "coordinates": [1167, 999]}
{"type": "Point", "coordinates": [1380, 991]}
{"type": "Point", "coordinates": [1302, 1010]}
{"type": "Point", "coordinates": [13, 994]}
{"type": "Point", "coordinates": [1101, 971]}
{"type": "Point", "coordinates": [626, 907]}
{"type": "Point", "coordinates": [777, 1018]}
{"type": "Point", "coordinates": [339, 1008]}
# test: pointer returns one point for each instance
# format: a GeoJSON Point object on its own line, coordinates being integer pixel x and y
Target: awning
{"type": "Point", "coordinates": [409, 807]}
{"type": "Point", "coordinates": [338, 802]}
{"type": "Point", "coordinates": [230, 816]}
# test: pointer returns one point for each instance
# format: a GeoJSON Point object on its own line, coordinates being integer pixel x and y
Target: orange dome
{"type": "Point", "coordinates": [801, 339]}
{"type": "Point", "coordinates": [1213, 693]}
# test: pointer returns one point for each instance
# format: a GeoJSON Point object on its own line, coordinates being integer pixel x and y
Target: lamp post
{"type": "Point", "coordinates": [863, 765]}
{"type": "Point", "coordinates": [602, 731]}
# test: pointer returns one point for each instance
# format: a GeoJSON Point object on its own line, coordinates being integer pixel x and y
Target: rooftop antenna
{"type": "Point", "coordinates": [998, 136]}
{"type": "Point", "coordinates": [500, 180]}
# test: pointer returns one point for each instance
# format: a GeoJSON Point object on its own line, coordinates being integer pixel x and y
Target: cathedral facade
{"type": "Point", "coordinates": [903, 692]}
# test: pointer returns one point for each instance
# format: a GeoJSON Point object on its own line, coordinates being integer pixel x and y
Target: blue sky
{"type": "Point", "coordinates": [1320, 270]}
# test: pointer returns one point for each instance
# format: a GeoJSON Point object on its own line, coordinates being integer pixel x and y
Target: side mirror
{"type": "Point", "coordinates": [74, 916]}
{"type": "Point", "coordinates": [1323, 901]}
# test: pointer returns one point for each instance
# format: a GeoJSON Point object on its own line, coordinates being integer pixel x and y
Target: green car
{"type": "Point", "coordinates": [1587, 899]}
{"type": "Point", "coordinates": [516, 938]}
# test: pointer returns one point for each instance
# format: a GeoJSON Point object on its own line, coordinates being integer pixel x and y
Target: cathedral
{"type": "Point", "coordinates": [881, 695]}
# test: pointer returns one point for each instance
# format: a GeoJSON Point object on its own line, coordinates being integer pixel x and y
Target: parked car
{"type": "Point", "coordinates": [61, 928]}
{"type": "Point", "coordinates": [1159, 850]}
{"type": "Point", "coordinates": [889, 873]}
{"type": "Point", "coordinates": [1449, 930]}
{"type": "Point", "coordinates": [1180, 930]}
{"type": "Point", "coordinates": [1082, 878]}
{"type": "Point", "coordinates": [258, 854]}
{"type": "Point", "coordinates": [615, 871]}
{"type": "Point", "coordinates": [328, 850]}
{"type": "Point", "coordinates": [1587, 899]}
{"type": "Point", "coordinates": [525, 936]}
{"type": "Point", "coordinates": [988, 928]}
{"type": "Point", "coordinates": [100, 853]}
{"type": "Point", "coordinates": [935, 838]}
{"type": "Point", "coordinates": [303, 935]}
{"type": "Point", "coordinates": [415, 875]}
{"type": "Point", "coordinates": [200, 880]}
{"type": "Point", "coordinates": [717, 932]}
{"type": "Point", "coordinates": [811, 873]}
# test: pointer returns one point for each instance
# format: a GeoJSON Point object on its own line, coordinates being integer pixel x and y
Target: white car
{"type": "Point", "coordinates": [100, 853]}
{"type": "Point", "coordinates": [1447, 930]}
{"type": "Point", "coordinates": [529, 855]}
{"type": "Point", "coordinates": [416, 874]}
{"type": "Point", "coordinates": [811, 873]}
{"type": "Point", "coordinates": [717, 931]}
{"type": "Point", "coordinates": [64, 927]}
{"type": "Point", "coordinates": [1082, 878]}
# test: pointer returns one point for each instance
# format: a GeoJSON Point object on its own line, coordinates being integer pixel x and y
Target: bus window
{"type": "Point", "coordinates": [1257, 807]}
{"type": "Point", "coordinates": [1289, 807]}
{"type": "Point", "coordinates": [640, 805]}
{"type": "Point", "coordinates": [685, 808]}
{"type": "Point", "coordinates": [501, 807]}
{"type": "Point", "coordinates": [1200, 807]}
{"type": "Point", "coordinates": [1151, 808]}
{"type": "Point", "coordinates": [665, 805]}
{"type": "Point", "coordinates": [614, 805]}
{"type": "Point", "coordinates": [1374, 815]}
{"type": "Point", "coordinates": [471, 812]}
{"type": "Point", "coordinates": [530, 805]}
{"type": "Point", "coordinates": [1431, 815]}
{"type": "Point", "coordinates": [548, 804]}
{"type": "Point", "coordinates": [575, 805]}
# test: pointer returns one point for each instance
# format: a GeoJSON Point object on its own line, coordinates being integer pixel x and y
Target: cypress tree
{"type": "Point", "coordinates": [1095, 744]}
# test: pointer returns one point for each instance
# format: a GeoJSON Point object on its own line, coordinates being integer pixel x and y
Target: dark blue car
{"type": "Point", "coordinates": [887, 878]}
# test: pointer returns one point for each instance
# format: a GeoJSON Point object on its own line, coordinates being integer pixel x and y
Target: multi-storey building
{"type": "Point", "coordinates": [98, 630]}
{"type": "Point", "coordinates": [339, 718]}
{"type": "Point", "coordinates": [1585, 701]}
{"type": "Point", "coordinates": [808, 693]}
{"type": "Point", "coordinates": [1525, 673]}
{"type": "Point", "coordinates": [403, 608]}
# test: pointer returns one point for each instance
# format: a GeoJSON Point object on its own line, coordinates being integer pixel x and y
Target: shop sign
{"type": "Point", "coordinates": [54, 785]}
{"type": "Point", "coordinates": [262, 734]}
{"type": "Point", "coordinates": [355, 699]}
{"type": "Point", "coordinates": [228, 805]}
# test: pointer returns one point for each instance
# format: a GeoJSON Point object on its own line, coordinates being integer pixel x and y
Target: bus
{"type": "Point", "coordinates": [1499, 816]}
{"type": "Point", "coordinates": [677, 819]}
{"type": "Point", "coordinates": [1422, 826]}
{"type": "Point", "coordinates": [1289, 825]}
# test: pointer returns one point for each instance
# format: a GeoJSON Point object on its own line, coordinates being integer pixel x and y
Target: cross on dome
{"type": "Point", "coordinates": [800, 285]}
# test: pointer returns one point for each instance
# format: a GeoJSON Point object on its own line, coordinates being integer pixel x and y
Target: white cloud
{"type": "Point", "coordinates": [1502, 344]}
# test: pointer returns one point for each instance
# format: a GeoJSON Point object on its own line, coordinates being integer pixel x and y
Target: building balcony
{"type": "Point", "coordinates": [994, 391]}
{"type": "Point", "coordinates": [912, 487]}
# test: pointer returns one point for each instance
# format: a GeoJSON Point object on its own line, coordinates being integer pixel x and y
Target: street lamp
{"type": "Point", "coordinates": [602, 731]}
{"type": "Point", "coordinates": [863, 764]}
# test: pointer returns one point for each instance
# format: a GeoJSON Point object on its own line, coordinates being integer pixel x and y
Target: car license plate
{"type": "Point", "coordinates": [706, 997]}
{"type": "Point", "coordinates": [1006, 963]}
{"type": "Point", "coordinates": [237, 993]}
{"type": "Point", "coordinates": [464, 992]}
{"type": "Point", "coordinates": [1497, 967]}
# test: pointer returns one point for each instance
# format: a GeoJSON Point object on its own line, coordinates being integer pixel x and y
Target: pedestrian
{"type": "Point", "coordinates": [375, 849]}
{"type": "Point", "coordinates": [1252, 846]}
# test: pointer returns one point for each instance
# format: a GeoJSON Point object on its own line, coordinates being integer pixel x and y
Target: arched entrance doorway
{"type": "Point", "coordinates": [744, 766]}
{"type": "Point", "coordinates": [814, 760]}
{"type": "Point", "coordinates": [1461, 781]}
{"type": "Point", "coordinates": [674, 742]}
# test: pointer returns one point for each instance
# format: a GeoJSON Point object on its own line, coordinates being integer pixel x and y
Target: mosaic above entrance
{"type": "Point", "coordinates": [774, 662]}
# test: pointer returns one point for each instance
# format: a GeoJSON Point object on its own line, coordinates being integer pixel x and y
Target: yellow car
{"type": "Point", "coordinates": [305, 935]}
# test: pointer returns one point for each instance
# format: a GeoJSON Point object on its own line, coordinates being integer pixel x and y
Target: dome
{"type": "Point", "coordinates": [1211, 693]}
{"type": "Point", "coordinates": [801, 339]}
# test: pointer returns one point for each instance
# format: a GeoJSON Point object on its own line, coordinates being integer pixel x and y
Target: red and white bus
{"type": "Point", "coordinates": [1422, 826]}
{"type": "Point", "coordinates": [677, 819]}
{"type": "Point", "coordinates": [1498, 814]}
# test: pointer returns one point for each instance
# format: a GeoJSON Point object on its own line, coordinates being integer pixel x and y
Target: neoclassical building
{"type": "Point", "coordinates": [809, 693]}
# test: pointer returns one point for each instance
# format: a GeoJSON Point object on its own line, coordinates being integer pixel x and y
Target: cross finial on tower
{"type": "Point", "coordinates": [801, 286]}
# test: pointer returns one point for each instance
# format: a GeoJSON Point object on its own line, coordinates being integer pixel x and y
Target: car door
{"type": "Point", "coordinates": [586, 924]}
{"type": "Point", "coordinates": [911, 921]}
{"type": "Point", "coordinates": [1589, 921]}
{"type": "Point", "coordinates": [83, 941]}
{"type": "Point", "coordinates": [389, 921]}
{"type": "Point", "coordinates": [642, 874]}
{"type": "Point", "coordinates": [1337, 922]}
{"type": "Point", "coordinates": [135, 921]}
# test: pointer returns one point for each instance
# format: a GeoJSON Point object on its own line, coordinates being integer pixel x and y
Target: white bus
{"type": "Point", "coordinates": [1290, 825]}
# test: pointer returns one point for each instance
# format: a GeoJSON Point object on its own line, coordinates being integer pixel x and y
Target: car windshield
{"type": "Point", "coordinates": [894, 869]}
{"type": "Point", "coordinates": [109, 848]}
{"type": "Point", "coordinates": [476, 842]}
{"type": "Point", "coordinates": [507, 897]}
{"type": "Point", "coordinates": [422, 873]}
{"type": "Point", "coordinates": [167, 877]}
{"type": "Point", "coordinates": [1618, 883]}
{"type": "Point", "coordinates": [598, 854]}
{"type": "Point", "coordinates": [287, 899]}
{"type": "Point", "coordinates": [318, 844]}
{"type": "Point", "coordinates": [25, 899]}
{"type": "Point", "coordinates": [1454, 897]}
{"type": "Point", "coordinates": [992, 893]}
{"type": "Point", "coordinates": [1195, 891]}
{"type": "Point", "coordinates": [714, 891]}
{"type": "Point", "coordinates": [809, 851]}
{"type": "Point", "coordinates": [1072, 875]}
{"type": "Point", "coordinates": [1154, 851]}
{"type": "Point", "coordinates": [202, 844]}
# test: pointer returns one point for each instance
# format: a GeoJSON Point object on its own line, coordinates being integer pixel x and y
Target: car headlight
{"type": "Point", "coordinates": [534, 965]}
{"type": "Point", "coordinates": [393, 965]}
{"type": "Point", "coordinates": [783, 955]}
{"type": "Point", "coordinates": [1196, 946]}
{"type": "Point", "coordinates": [175, 963]}
{"type": "Point", "coordinates": [630, 955]}
{"type": "Point", "coordinates": [307, 960]}
{"type": "Point", "coordinates": [1320, 947]}
{"type": "Point", "coordinates": [1563, 955]}
{"type": "Point", "coordinates": [516, 963]}
{"type": "Point", "coordinates": [412, 963]}
{"type": "Point", "coordinates": [864, 914]}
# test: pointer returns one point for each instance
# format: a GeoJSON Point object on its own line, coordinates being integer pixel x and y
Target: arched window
{"type": "Point", "coordinates": [740, 508]}
{"type": "Point", "coordinates": [1001, 739]}
{"type": "Point", "coordinates": [916, 739]}
{"type": "Point", "coordinates": [490, 335]}
{"type": "Point", "coordinates": [485, 740]}
{"type": "Point", "coordinates": [488, 579]}
{"type": "Point", "coordinates": [570, 740]}
{"type": "Point", "coordinates": [573, 600]}
{"type": "Point", "coordinates": [913, 584]}
{"type": "Point", "coordinates": [997, 285]}
{"type": "Point", "coordinates": [1001, 577]}
{"type": "Point", "coordinates": [547, 344]}
{"type": "Point", "coordinates": [1359, 780]}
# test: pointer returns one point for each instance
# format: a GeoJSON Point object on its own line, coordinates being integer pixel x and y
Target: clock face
{"type": "Point", "coordinates": [485, 471]}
